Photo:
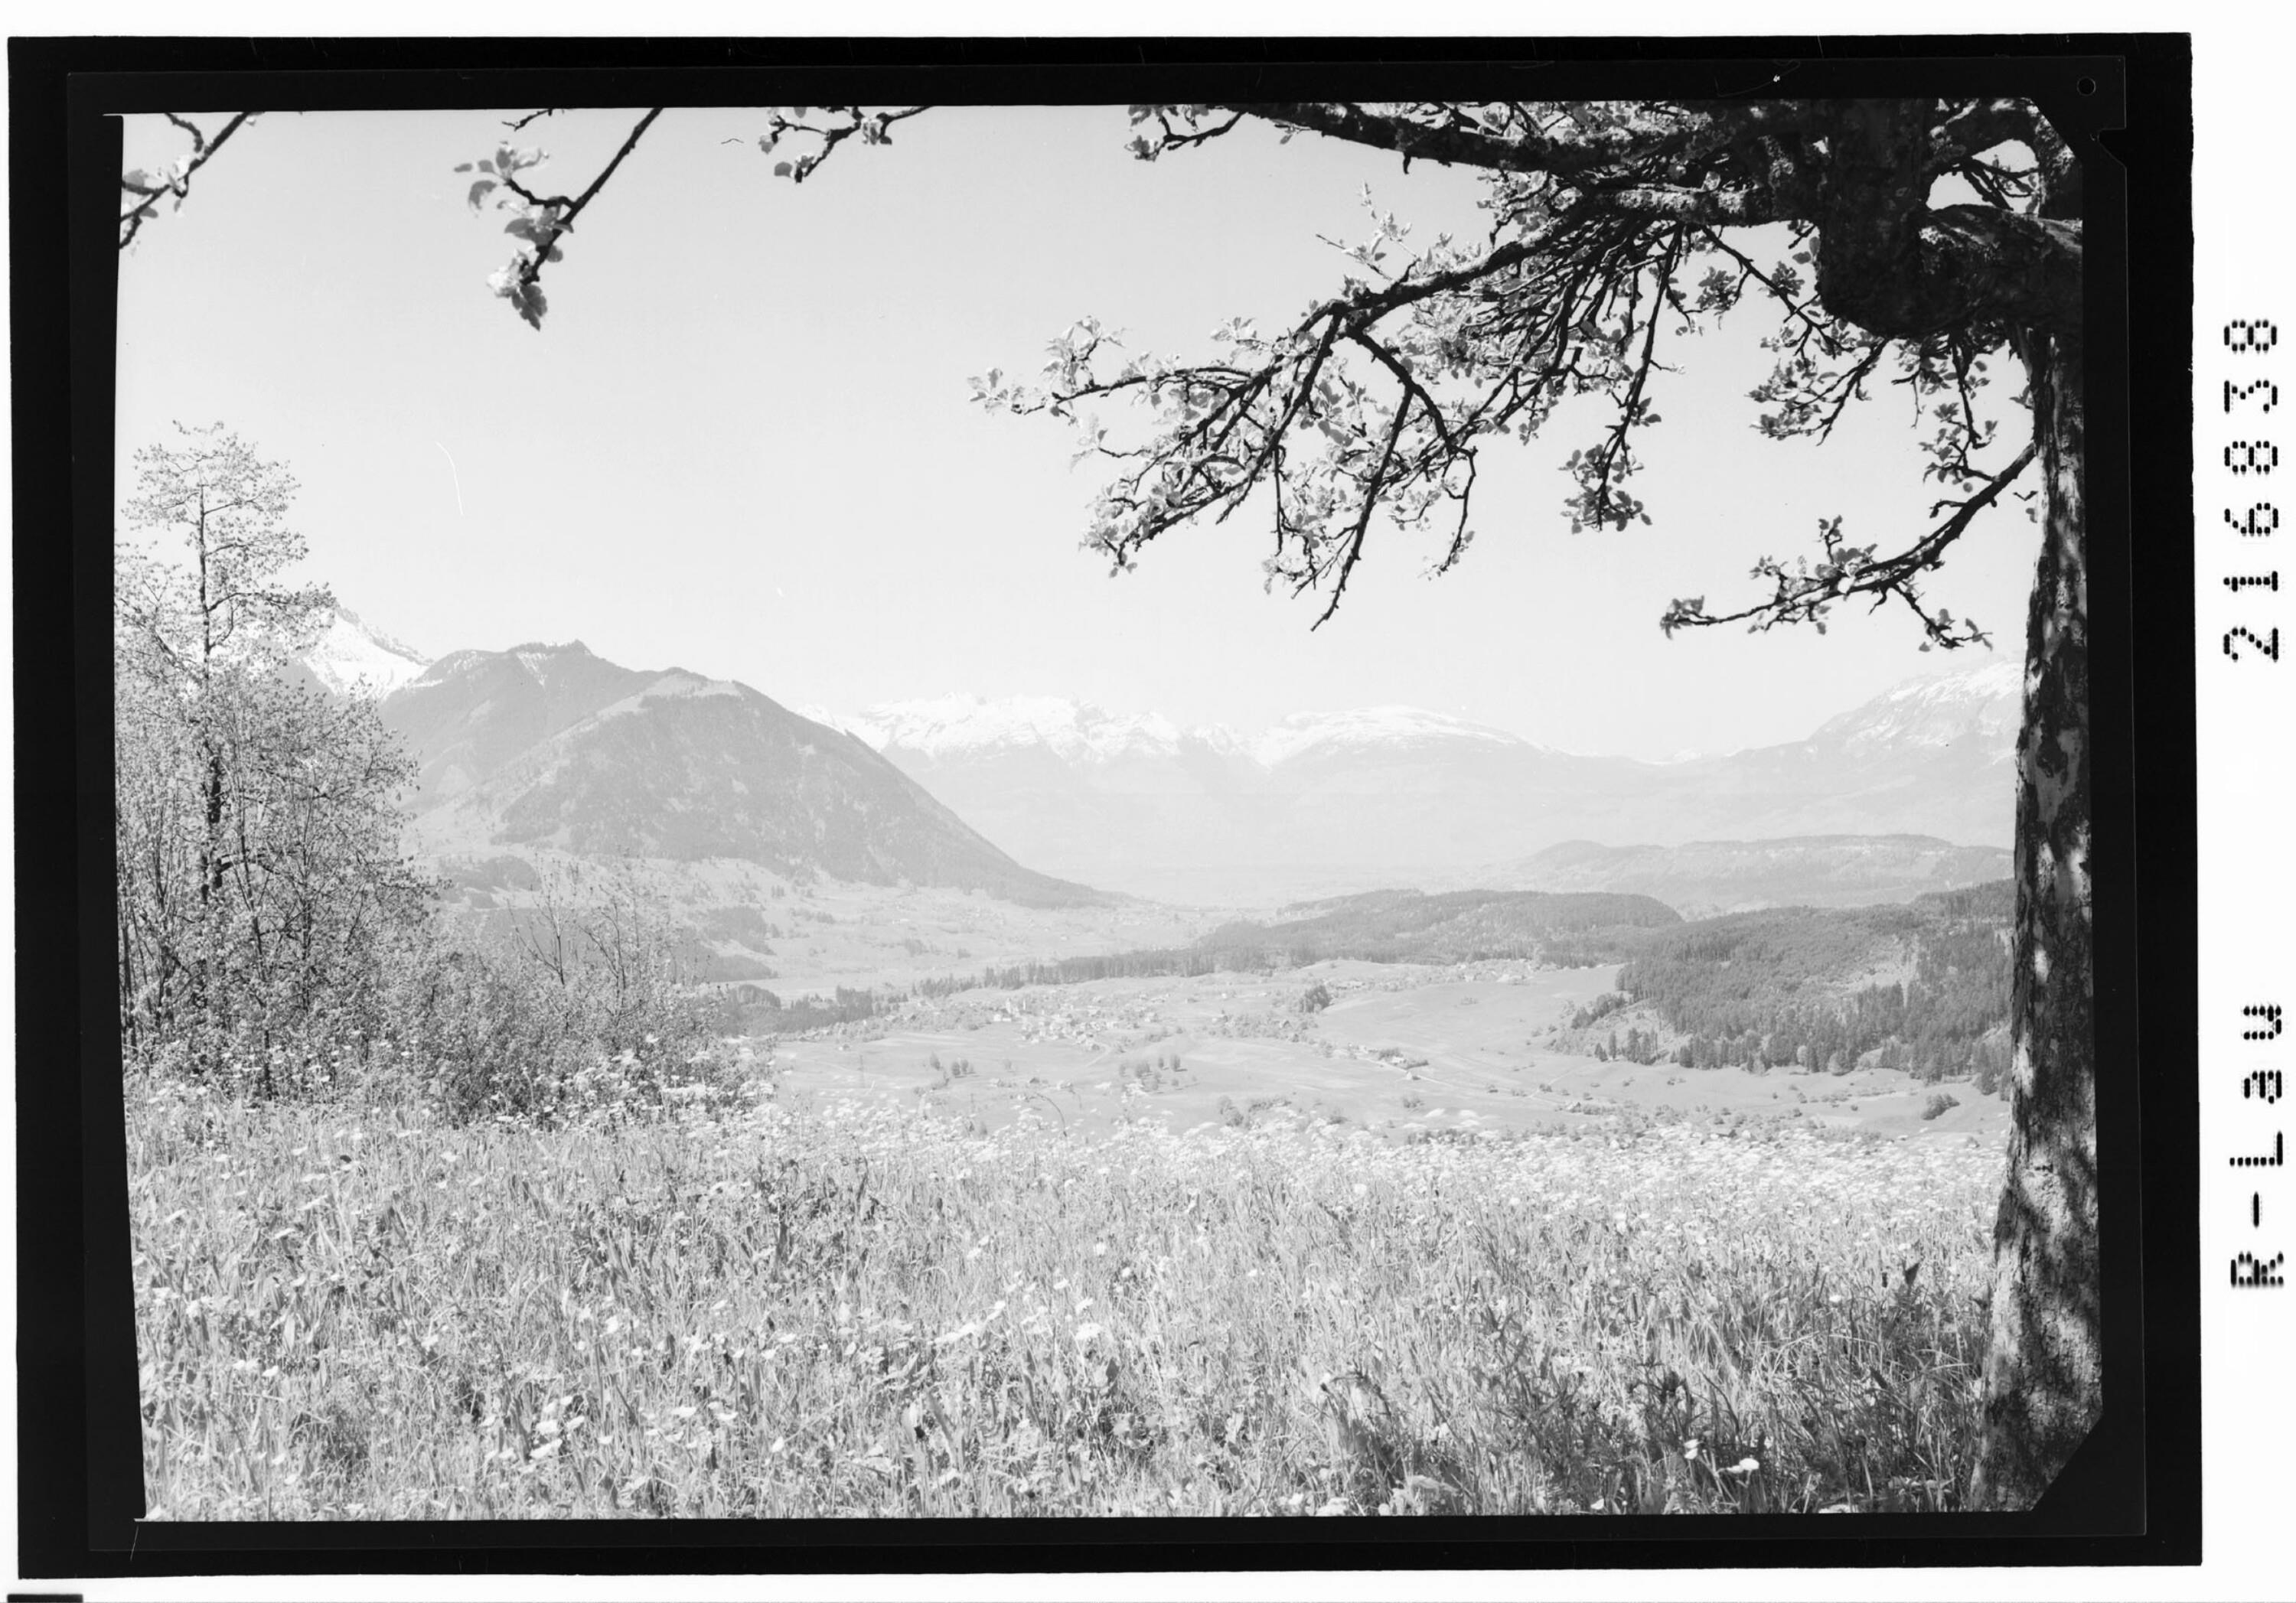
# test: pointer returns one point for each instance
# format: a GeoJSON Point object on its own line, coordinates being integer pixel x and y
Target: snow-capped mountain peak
{"type": "Point", "coordinates": [946, 726]}
{"type": "Point", "coordinates": [1369, 726]}
{"type": "Point", "coordinates": [350, 657]}
{"type": "Point", "coordinates": [1984, 700]}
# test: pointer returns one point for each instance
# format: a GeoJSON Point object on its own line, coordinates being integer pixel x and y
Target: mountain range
{"type": "Point", "coordinates": [1037, 798]}
{"type": "Point", "coordinates": [1319, 804]}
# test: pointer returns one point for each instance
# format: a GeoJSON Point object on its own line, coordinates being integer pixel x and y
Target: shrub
{"type": "Point", "coordinates": [576, 1010]}
{"type": "Point", "coordinates": [1938, 1104]}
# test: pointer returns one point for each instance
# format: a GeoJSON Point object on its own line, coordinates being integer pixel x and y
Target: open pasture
{"type": "Point", "coordinates": [856, 1307]}
{"type": "Point", "coordinates": [1400, 1051]}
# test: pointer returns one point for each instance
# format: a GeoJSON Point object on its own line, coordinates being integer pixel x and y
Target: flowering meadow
{"type": "Point", "coordinates": [733, 1308]}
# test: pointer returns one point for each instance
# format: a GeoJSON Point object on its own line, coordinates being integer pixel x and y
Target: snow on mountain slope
{"type": "Point", "coordinates": [953, 727]}
{"type": "Point", "coordinates": [1984, 702]}
{"type": "Point", "coordinates": [1369, 727]}
{"type": "Point", "coordinates": [1405, 795]}
{"type": "Point", "coordinates": [947, 727]}
{"type": "Point", "coordinates": [351, 656]}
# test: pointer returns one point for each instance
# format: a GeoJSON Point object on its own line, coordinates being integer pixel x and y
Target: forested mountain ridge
{"type": "Point", "coordinates": [1924, 984]}
{"type": "Point", "coordinates": [1705, 878]}
{"type": "Point", "coordinates": [552, 747]}
{"type": "Point", "coordinates": [1408, 925]}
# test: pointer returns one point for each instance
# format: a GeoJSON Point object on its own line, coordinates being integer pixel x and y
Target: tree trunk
{"type": "Point", "coordinates": [209, 974]}
{"type": "Point", "coordinates": [2044, 1372]}
{"type": "Point", "coordinates": [129, 1000]}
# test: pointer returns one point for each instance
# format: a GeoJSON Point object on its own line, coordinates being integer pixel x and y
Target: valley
{"type": "Point", "coordinates": [813, 886]}
{"type": "Point", "coordinates": [1404, 1053]}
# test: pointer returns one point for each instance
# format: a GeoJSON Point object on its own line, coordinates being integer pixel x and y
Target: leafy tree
{"type": "Point", "coordinates": [1922, 240]}
{"type": "Point", "coordinates": [260, 880]}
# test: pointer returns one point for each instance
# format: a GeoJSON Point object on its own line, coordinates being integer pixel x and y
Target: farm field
{"type": "Point", "coordinates": [1401, 1051]}
{"type": "Point", "coordinates": [876, 1288]}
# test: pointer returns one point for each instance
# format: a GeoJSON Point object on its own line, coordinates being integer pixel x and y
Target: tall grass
{"type": "Point", "coordinates": [353, 1311]}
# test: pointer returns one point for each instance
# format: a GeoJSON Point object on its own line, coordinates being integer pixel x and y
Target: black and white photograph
{"type": "Point", "coordinates": [970, 811]}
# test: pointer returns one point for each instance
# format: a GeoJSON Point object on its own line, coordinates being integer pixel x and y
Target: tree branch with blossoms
{"type": "Point", "coordinates": [540, 220]}
{"type": "Point", "coordinates": [146, 189]}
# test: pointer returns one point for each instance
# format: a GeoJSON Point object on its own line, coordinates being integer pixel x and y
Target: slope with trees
{"type": "Point", "coordinates": [260, 881]}
{"type": "Point", "coordinates": [1790, 986]}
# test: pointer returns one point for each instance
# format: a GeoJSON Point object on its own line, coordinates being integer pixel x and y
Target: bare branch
{"type": "Point", "coordinates": [1371, 489]}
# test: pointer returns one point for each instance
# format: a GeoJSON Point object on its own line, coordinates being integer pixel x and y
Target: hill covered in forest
{"type": "Point", "coordinates": [1703, 878]}
{"type": "Point", "coordinates": [1925, 986]}
{"type": "Point", "coordinates": [1454, 927]}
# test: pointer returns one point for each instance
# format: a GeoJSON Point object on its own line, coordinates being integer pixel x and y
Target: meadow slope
{"type": "Point", "coordinates": [859, 1307]}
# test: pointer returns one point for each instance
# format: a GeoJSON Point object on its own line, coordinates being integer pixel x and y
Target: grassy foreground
{"type": "Point", "coordinates": [361, 1312]}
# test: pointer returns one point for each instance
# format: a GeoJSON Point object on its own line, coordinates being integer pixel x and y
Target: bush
{"type": "Point", "coordinates": [577, 1010]}
{"type": "Point", "coordinates": [1316, 999]}
{"type": "Point", "coordinates": [1938, 1104]}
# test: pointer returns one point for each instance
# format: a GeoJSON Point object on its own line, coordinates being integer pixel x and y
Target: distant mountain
{"type": "Point", "coordinates": [1136, 797]}
{"type": "Point", "coordinates": [1933, 756]}
{"type": "Point", "coordinates": [351, 657]}
{"type": "Point", "coordinates": [1075, 731]}
{"type": "Point", "coordinates": [1386, 730]}
{"type": "Point", "coordinates": [1705, 878]}
{"type": "Point", "coordinates": [472, 713]}
{"type": "Point", "coordinates": [553, 745]}
{"type": "Point", "coordinates": [1330, 802]}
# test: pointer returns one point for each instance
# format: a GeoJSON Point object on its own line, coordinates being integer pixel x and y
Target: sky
{"type": "Point", "coordinates": [742, 443]}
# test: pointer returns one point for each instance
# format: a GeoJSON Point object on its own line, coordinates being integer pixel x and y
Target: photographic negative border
{"type": "Point", "coordinates": [2131, 1495]}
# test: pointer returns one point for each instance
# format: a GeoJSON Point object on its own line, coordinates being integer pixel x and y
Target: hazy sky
{"type": "Point", "coordinates": [741, 443]}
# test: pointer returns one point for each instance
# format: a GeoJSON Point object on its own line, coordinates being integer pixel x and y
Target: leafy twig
{"type": "Point", "coordinates": [541, 219]}
{"type": "Point", "coordinates": [177, 179]}
{"type": "Point", "coordinates": [1805, 594]}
